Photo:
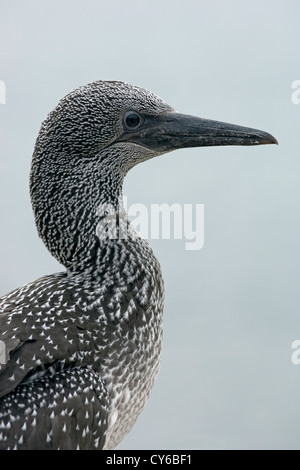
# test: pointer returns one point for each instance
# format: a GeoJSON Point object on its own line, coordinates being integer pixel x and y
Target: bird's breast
{"type": "Point", "coordinates": [131, 364]}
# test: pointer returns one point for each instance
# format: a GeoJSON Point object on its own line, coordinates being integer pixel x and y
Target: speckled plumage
{"type": "Point", "coordinates": [101, 319]}
{"type": "Point", "coordinates": [83, 346]}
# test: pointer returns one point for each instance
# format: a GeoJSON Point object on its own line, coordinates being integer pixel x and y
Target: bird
{"type": "Point", "coordinates": [83, 346]}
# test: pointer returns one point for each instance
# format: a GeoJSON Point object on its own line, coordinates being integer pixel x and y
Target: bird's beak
{"type": "Point", "coordinates": [173, 131]}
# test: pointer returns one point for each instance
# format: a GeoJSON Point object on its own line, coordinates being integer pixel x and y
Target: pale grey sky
{"type": "Point", "coordinates": [232, 309]}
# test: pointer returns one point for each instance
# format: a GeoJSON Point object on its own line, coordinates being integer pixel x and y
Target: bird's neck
{"type": "Point", "coordinates": [79, 212]}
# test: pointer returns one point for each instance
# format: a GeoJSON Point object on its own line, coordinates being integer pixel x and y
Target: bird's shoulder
{"type": "Point", "coordinates": [42, 324]}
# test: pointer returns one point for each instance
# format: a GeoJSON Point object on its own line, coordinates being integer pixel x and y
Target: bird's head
{"type": "Point", "coordinates": [86, 146]}
{"type": "Point", "coordinates": [107, 114]}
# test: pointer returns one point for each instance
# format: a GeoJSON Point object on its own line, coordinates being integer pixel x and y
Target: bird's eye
{"type": "Point", "coordinates": [132, 120]}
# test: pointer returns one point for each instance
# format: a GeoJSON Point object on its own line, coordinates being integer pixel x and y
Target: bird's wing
{"type": "Point", "coordinates": [67, 410]}
{"type": "Point", "coordinates": [46, 383]}
{"type": "Point", "coordinates": [38, 331]}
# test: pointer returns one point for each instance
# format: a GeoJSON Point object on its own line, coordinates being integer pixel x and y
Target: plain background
{"type": "Point", "coordinates": [232, 309]}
